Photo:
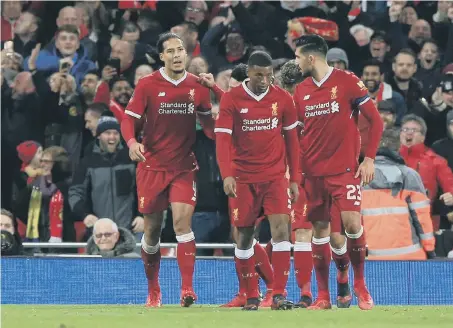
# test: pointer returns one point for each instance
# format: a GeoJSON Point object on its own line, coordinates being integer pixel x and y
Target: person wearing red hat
{"type": "Point", "coordinates": [30, 153]}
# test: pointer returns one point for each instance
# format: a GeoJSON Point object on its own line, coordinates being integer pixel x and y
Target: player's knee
{"type": "Point", "coordinates": [337, 240]}
{"type": "Point", "coordinates": [279, 230]}
{"type": "Point", "coordinates": [351, 221]}
{"type": "Point", "coordinates": [245, 237]}
{"type": "Point", "coordinates": [303, 235]}
{"type": "Point", "coordinates": [321, 229]}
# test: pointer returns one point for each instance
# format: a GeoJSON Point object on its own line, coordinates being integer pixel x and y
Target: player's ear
{"type": "Point", "coordinates": [161, 56]}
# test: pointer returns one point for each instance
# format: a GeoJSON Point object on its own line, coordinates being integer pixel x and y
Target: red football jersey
{"type": "Point", "coordinates": [256, 124]}
{"type": "Point", "coordinates": [328, 109]}
{"type": "Point", "coordinates": [170, 109]}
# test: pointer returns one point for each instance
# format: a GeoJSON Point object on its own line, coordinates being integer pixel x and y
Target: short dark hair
{"type": "Point", "coordinates": [372, 62]}
{"type": "Point", "coordinates": [390, 139]}
{"type": "Point", "coordinates": [191, 27]}
{"type": "Point", "coordinates": [164, 37]}
{"type": "Point", "coordinates": [405, 51]}
{"type": "Point", "coordinates": [129, 27]}
{"type": "Point", "coordinates": [429, 40]}
{"type": "Point", "coordinates": [239, 72]}
{"type": "Point", "coordinates": [290, 74]}
{"type": "Point", "coordinates": [98, 107]}
{"type": "Point", "coordinates": [69, 29]}
{"type": "Point", "coordinates": [260, 58]}
{"type": "Point", "coordinates": [312, 43]}
{"type": "Point", "coordinates": [116, 79]}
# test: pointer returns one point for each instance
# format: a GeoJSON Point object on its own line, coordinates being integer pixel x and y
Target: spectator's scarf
{"type": "Point", "coordinates": [34, 210]}
{"type": "Point", "coordinates": [56, 215]}
{"type": "Point", "coordinates": [312, 25]}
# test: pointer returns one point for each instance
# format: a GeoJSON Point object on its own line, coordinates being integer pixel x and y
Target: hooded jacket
{"type": "Point", "coordinates": [104, 185]}
{"type": "Point", "coordinates": [396, 212]}
{"type": "Point", "coordinates": [432, 168]}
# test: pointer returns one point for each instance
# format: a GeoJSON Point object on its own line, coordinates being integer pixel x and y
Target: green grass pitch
{"type": "Point", "coordinates": [116, 316]}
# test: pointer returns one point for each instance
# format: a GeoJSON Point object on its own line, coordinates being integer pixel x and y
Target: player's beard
{"type": "Point", "coordinates": [179, 71]}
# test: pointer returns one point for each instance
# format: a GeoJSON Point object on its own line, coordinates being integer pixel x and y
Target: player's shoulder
{"type": "Point", "coordinates": [280, 92]}
{"type": "Point", "coordinates": [345, 75]}
{"type": "Point", "coordinates": [191, 78]}
{"type": "Point", "coordinates": [305, 84]}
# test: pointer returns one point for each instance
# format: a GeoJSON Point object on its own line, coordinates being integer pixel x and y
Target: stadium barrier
{"type": "Point", "coordinates": [85, 280]}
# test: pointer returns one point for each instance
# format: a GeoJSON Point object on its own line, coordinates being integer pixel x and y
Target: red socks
{"type": "Point", "coordinates": [151, 260]}
{"type": "Point", "coordinates": [341, 259]}
{"type": "Point", "coordinates": [357, 252]}
{"type": "Point", "coordinates": [263, 265]}
{"type": "Point", "coordinates": [245, 265]}
{"type": "Point", "coordinates": [281, 258]}
{"type": "Point", "coordinates": [303, 265]}
{"type": "Point", "coordinates": [269, 247]}
{"type": "Point", "coordinates": [321, 262]}
{"type": "Point", "coordinates": [185, 254]}
{"type": "Point", "coordinates": [241, 280]}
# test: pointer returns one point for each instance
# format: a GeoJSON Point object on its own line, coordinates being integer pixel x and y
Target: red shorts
{"type": "Point", "coordinates": [328, 196]}
{"type": "Point", "coordinates": [157, 189]}
{"type": "Point", "coordinates": [273, 197]}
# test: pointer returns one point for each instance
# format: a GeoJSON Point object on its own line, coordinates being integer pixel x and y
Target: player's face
{"type": "Point", "coordinates": [109, 140]}
{"type": "Point", "coordinates": [174, 55]}
{"type": "Point", "coordinates": [411, 134]}
{"type": "Point", "coordinates": [260, 78]}
{"type": "Point", "coordinates": [305, 62]}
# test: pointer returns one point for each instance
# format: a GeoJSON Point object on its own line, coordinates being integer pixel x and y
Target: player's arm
{"type": "Point", "coordinates": [362, 101]}
{"type": "Point", "coordinates": [290, 127]}
{"type": "Point", "coordinates": [134, 111]}
{"type": "Point", "coordinates": [204, 113]}
{"type": "Point", "coordinates": [224, 131]}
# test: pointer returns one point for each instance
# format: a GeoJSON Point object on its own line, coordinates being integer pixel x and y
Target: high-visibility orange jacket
{"type": "Point", "coordinates": [396, 212]}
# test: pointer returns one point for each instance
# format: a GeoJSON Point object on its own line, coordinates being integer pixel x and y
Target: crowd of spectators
{"type": "Point", "coordinates": [68, 70]}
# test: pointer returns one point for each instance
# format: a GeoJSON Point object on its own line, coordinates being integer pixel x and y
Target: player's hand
{"type": "Point", "coordinates": [136, 151]}
{"type": "Point", "coordinates": [447, 198]}
{"type": "Point", "coordinates": [229, 187]}
{"type": "Point", "coordinates": [366, 171]}
{"type": "Point", "coordinates": [294, 191]}
{"type": "Point", "coordinates": [90, 220]}
{"type": "Point", "coordinates": [138, 224]}
{"type": "Point", "coordinates": [206, 80]}
{"type": "Point", "coordinates": [215, 112]}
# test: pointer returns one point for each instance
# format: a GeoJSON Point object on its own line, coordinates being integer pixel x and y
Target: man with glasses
{"type": "Point", "coordinates": [432, 168]}
{"type": "Point", "coordinates": [110, 241]}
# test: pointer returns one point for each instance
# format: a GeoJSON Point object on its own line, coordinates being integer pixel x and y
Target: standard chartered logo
{"type": "Point", "coordinates": [176, 108]}
{"type": "Point", "coordinates": [322, 109]}
{"type": "Point", "coordinates": [260, 124]}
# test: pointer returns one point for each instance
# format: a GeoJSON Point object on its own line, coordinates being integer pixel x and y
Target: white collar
{"type": "Point", "coordinates": [251, 94]}
{"type": "Point", "coordinates": [324, 79]}
{"type": "Point", "coordinates": [169, 79]}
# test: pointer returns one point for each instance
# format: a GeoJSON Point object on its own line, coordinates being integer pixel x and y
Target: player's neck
{"type": "Point", "coordinates": [253, 89]}
{"type": "Point", "coordinates": [174, 75]}
{"type": "Point", "coordinates": [320, 72]}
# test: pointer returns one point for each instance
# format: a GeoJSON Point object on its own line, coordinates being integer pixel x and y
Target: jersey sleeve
{"type": "Point", "coordinates": [205, 105]}
{"type": "Point", "coordinates": [224, 123]}
{"type": "Point", "coordinates": [290, 118]}
{"type": "Point", "coordinates": [358, 92]}
{"type": "Point", "coordinates": [138, 102]}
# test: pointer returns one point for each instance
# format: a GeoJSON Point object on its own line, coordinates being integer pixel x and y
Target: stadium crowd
{"type": "Point", "coordinates": [69, 70]}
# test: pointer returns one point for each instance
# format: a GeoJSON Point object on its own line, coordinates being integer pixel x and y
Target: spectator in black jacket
{"type": "Point", "coordinates": [104, 182]}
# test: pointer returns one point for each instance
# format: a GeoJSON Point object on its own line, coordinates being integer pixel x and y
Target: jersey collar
{"type": "Point", "coordinates": [169, 79]}
{"type": "Point", "coordinates": [324, 79]}
{"type": "Point", "coordinates": [251, 94]}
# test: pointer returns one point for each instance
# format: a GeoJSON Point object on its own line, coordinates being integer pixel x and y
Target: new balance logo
{"type": "Point", "coordinates": [307, 97]}
{"type": "Point", "coordinates": [161, 94]}
{"type": "Point", "coordinates": [244, 110]}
